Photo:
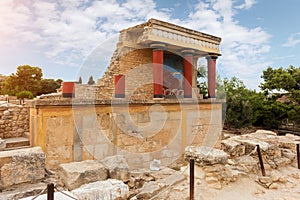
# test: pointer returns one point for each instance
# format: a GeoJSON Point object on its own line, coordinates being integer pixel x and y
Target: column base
{"type": "Point", "coordinates": [158, 96]}
{"type": "Point", "coordinates": [68, 95]}
{"type": "Point", "coordinates": [119, 95]}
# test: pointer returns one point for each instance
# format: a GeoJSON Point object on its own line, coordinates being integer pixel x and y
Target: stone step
{"type": "Point", "coordinates": [15, 143]}
{"type": "Point", "coordinates": [22, 191]}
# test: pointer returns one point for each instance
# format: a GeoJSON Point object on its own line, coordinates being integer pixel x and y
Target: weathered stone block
{"type": "Point", "coordinates": [152, 188]}
{"type": "Point", "coordinates": [75, 174]}
{"type": "Point", "coordinates": [105, 190]}
{"type": "Point", "coordinates": [21, 166]}
{"type": "Point", "coordinates": [118, 167]}
{"type": "Point", "coordinates": [2, 144]}
{"type": "Point", "coordinates": [233, 147]}
{"type": "Point", "coordinates": [205, 155]}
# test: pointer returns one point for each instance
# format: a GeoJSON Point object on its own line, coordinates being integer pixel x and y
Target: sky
{"type": "Point", "coordinates": [68, 38]}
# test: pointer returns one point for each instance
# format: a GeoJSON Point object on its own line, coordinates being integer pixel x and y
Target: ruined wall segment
{"type": "Point", "coordinates": [141, 132]}
{"type": "Point", "coordinates": [14, 120]}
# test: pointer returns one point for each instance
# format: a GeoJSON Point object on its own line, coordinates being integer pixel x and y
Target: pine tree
{"type": "Point", "coordinates": [91, 81]}
{"type": "Point", "coordinates": [80, 80]}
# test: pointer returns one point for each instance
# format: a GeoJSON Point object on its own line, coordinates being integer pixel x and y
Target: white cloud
{"type": "Point", "coordinates": [247, 4]}
{"type": "Point", "coordinates": [67, 31]}
{"type": "Point", "coordinates": [293, 40]}
{"type": "Point", "coordinates": [242, 48]}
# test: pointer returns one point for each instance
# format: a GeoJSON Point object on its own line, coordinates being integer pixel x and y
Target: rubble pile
{"type": "Point", "coordinates": [277, 151]}
{"type": "Point", "coordinates": [238, 158]}
{"type": "Point", "coordinates": [112, 178]}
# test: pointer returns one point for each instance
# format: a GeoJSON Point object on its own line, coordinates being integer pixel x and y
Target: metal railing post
{"type": "Point", "coordinates": [263, 172]}
{"type": "Point", "coordinates": [50, 191]}
{"type": "Point", "coordinates": [192, 163]}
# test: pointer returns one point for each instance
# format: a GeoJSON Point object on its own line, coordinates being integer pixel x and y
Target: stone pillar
{"type": "Point", "coordinates": [120, 86]}
{"type": "Point", "coordinates": [158, 68]}
{"type": "Point", "coordinates": [211, 69]}
{"type": "Point", "coordinates": [188, 75]}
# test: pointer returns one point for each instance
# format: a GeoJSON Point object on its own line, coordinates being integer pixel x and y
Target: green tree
{"type": "Point", "coordinates": [241, 104]}
{"type": "Point", "coordinates": [59, 81]}
{"type": "Point", "coordinates": [48, 86]}
{"type": "Point", "coordinates": [91, 81]}
{"type": "Point", "coordinates": [80, 80]}
{"type": "Point", "coordinates": [282, 81]}
{"type": "Point", "coordinates": [202, 83]}
{"type": "Point", "coordinates": [29, 78]}
{"type": "Point", "coordinates": [25, 94]}
{"type": "Point", "coordinates": [278, 83]}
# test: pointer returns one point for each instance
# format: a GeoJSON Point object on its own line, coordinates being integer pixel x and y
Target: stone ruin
{"type": "Point", "coordinates": [146, 106]}
{"type": "Point", "coordinates": [112, 177]}
{"type": "Point", "coordinates": [81, 144]}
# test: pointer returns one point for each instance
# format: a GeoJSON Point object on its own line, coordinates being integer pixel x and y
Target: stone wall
{"type": "Point", "coordinates": [140, 132]}
{"type": "Point", "coordinates": [14, 120]}
{"type": "Point", "coordinates": [21, 166]}
{"type": "Point", "coordinates": [136, 65]}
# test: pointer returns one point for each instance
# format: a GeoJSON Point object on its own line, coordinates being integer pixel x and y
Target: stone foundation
{"type": "Point", "coordinates": [140, 132]}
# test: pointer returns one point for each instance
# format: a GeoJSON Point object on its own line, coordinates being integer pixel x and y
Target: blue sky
{"type": "Point", "coordinates": [61, 36]}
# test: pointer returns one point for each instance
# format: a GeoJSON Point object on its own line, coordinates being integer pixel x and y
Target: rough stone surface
{"type": "Point", "coordinates": [110, 189]}
{"type": "Point", "coordinates": [75, 174]}
{"type": "Point", "coordinates": [2, 144]}
{"type": "Point", "coordinates": [23, 191]}
{"type": "Point", "coordinates": [152, 188]}
{"type": "Point", "coordinates": [118, 167]}
{"type": "Point", "coordinates": [277, 151]}
{"type": "Point", "coordinates": [57, 195]}
{"type": "Point", "coordinates": [205, 155]}
{"type": "Point", "coordinates": [21, 166]}
{"type": "Point", "coordinates": [14, 120]}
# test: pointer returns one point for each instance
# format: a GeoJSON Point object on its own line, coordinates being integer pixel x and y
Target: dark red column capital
{"type": "Point", "coordinates": [158, 62]}
{"type": "Point", "coordinates": [211, 69]}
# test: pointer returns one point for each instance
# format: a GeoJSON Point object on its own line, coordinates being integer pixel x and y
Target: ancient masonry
{"type": "Point", "coordinates": [146, 106]}
{"type": "Point", "coordinates": [14, 120]}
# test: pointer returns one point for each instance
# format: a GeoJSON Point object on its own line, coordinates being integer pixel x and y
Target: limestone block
{"type": "Point", "coordinates": [103, 190]}
{"type": "Point", "coordinates": [6, 112]}
{"type": "Point", "coordinates": [152, 188]}
{"type": "Point", "coordinates": [21, 166]}
{"type": "Point", "coordinates": [75, 174]}
{"type": "Point", "coordinates": [2, 144]}
{"type": "Point", "coordinates": [288, 154]}
{"type": "Point", "coordinates": [205, 155]}
{"type": "Point", "coordinates": [118, 167]}
{"type": "Point", "coordinates": [233, 147]}
{"type": "Point", "coordinates": [250, 144]}
{"type": "Point", "coordinates": [280, 162]}
{"type": "Point", "coordinates": [57, 195]}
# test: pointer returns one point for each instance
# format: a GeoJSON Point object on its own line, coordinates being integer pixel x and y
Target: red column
{"type": "Point", "coordinates": [158, 66]}
{"type": "Point", "coordinates": [188, 75]}
{"type": "Point", "coordinates": [68, 89]}
{"type": "Point", "coordinates": [211, 68]}
{"type": "Point", "coordinates": [120, 86]}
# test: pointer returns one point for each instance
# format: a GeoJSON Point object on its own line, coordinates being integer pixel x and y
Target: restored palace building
{"type": "Point", "coordinates": [146, 106]}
